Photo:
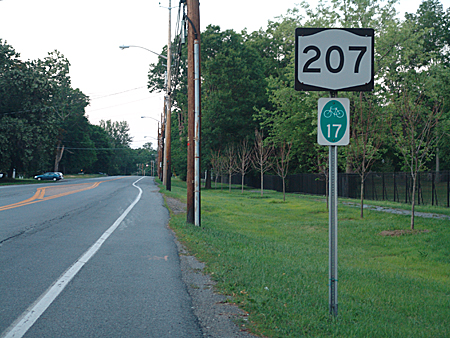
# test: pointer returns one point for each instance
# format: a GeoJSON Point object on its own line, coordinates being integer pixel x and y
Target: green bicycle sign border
{"type": "Point", "coordinates": [333, 122]}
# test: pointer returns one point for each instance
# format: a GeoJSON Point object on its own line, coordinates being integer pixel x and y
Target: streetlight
{"type": "Point", "coordinates": [160, 55]}
{"type": "Point", "coordinates": [149, 117]}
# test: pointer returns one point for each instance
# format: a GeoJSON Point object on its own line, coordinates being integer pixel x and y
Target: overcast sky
{"type": "Point", "coordinates": [89, 33]}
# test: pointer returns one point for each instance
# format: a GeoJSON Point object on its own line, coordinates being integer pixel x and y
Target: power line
{"type": "Point", "coordinates": [122, 104]}
{"type": "Point", "coordinates": [74, 102]}
{"type": "Point", "coordinates": [125, 91]}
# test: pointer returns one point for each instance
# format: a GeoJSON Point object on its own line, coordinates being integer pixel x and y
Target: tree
{"type": "Point", "coordinates": [229, 163]}
{"type": "Point", "coordinates": [413, 98]}
{"type": "Point", "coordinates": [37, 104]}
{"type": "Point", "coordinates": [145, 156]}
{"type": "Point", "coordinates": [80, 151]}
{"type": "Point", "coordinates": [27, 125]}
{"type": "Point", "coordinates": [233, 85]}
{"type": "Point", "coordinates": [282, 163]}
{"type": "Point", "coordinates": [434, 25]}
{"type": "Point", "coordinates": [119, 139]}
{"type": "Point", "coordinates": [244, 160]}
{"type": "Point", "coordinates": [261, 160]}
{"type": "Point", "coordinates": [366, 139]}
{"type": "Point", "coordinates": [214, 166]}
{"type": "Point", "coordinates": [103, 151]}
{"type": "Point", "coordinates": [275, 45]}
{"type": "Point", "coordinates": [414, 135]}
{"type": "Point", "coordinates": [217, 164]}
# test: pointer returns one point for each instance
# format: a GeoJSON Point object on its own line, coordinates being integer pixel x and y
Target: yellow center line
{"type": "Point", "coordinates": [41, 192]}
{"type": "Point", "coordinates": [39, 196]}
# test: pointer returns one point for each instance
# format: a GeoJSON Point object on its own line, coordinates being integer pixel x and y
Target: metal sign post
{"type": "Point", "coordinates": [333, 258]}
{"type": "Point", "coordinates": [333, 130]}
{"type": "Point", "coordinates": [332, 212]}
{"type": "Point", "coordinates": [334, 60]}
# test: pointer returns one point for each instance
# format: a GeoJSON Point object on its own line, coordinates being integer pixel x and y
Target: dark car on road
{"type": "Point", "coordinates": [53, 176]}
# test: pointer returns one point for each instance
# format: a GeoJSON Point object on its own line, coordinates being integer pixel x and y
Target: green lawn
{"type": "Point", "coordinates": [273, 258]}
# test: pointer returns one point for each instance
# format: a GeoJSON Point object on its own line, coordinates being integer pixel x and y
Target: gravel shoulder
{"type": "Point", "coordinates": [217, 316]}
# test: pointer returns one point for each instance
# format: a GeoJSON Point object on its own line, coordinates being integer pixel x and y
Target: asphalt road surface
{"type": "Point", "coordinates": [90, 258]}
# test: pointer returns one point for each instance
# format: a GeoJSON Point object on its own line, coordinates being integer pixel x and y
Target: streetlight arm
{"type": "Point", "coordinates": [149, 117]}
{"type": "Point", "coordinates": [123, 47]}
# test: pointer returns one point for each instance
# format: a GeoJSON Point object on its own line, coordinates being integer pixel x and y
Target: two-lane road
{"type": "Point", "coordinates": [90, 258]}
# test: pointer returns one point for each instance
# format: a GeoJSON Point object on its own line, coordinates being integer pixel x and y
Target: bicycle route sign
{"type": "Point", "coordinates": [333, 122]}
{"type": "Point", "coordinates": [331, 59]}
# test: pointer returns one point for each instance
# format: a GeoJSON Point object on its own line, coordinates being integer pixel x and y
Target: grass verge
{"type": "Point", "coordinates": [11, 181]}
{"type": "Point", "coordinates": [272, 256]}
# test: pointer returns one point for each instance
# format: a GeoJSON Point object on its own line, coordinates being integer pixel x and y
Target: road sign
{"type": "Point", "coordinates": [329, 59]}
{"type": "Point", "coordinates": [333, 122]}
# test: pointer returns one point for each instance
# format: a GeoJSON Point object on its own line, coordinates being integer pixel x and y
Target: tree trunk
{"type": "Point", "coordinates": [413, 200]}
{"type": "Point", "coordinates": [362, 197]}
{"type": "Point", "coordinates": [284, 191]}
{"type": "Point", "coordinates": [438, 178]}
{"type": "Point", "coordinates": [348, 166]}
{"type": "Point", "coordinates": [208, 179]}
{"type": "Point", "coordinates": [229, 181]}
{"type": "Point", "coordinates": [262, 183]}
{"type": "Point", "coordinates": [58, 156]}
{"type": "Point", "coordinates": [242, 183]}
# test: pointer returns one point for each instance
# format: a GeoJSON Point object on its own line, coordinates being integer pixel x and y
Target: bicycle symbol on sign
{"type": "Point", "coordinates": [333, 111]}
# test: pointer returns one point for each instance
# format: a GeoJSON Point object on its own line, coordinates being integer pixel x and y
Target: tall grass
{"type": "Point", "coordinates": [272, 256]}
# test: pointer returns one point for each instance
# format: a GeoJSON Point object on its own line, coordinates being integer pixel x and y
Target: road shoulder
{"type": "Point", "coordinates": [217, 315]}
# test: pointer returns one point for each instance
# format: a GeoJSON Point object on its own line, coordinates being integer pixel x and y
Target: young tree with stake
{"type": "Point", "coordinates": [261, 159]}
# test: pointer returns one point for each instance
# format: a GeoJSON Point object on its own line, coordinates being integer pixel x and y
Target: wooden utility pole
{"type": "Point", "coordinates": [161, 155]}
{"type": "Point", "coordinates": [167, 160]}
{"type": "Point", "coordinates": [158, 170]}
{"type": "Point", "coordinates": [193, 13]}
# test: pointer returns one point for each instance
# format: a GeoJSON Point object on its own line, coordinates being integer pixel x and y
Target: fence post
{"type": "Point", "coordinates": [436, 180]}
{"type": "Point", "coordinates": [448, 189]}
{"type": "Point", "coordinates": [374, 189]}
{"type": "Point", "coordinates": [433, 188]}
{"type": "Point", "coordinates": [406, 188]}
{"type": "Point", "coordinates": [395, 187]}
{"type": "Point", "coordinates": [419, 190]}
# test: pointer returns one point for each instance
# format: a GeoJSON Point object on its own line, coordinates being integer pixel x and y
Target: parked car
{"type": "Point", "coordinates": [54, 176]}
{"type": "Point", "coordinates": [60, 174]}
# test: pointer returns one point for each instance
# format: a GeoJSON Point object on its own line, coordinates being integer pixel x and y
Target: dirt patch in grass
{"type": "Point", "coordinates": [396, 233]}
{"type": "Point", "coordinates": [175, 205]}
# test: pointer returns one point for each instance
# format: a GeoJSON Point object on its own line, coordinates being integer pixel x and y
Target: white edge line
{"type": "Point", "coordinates": [22, 324]}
